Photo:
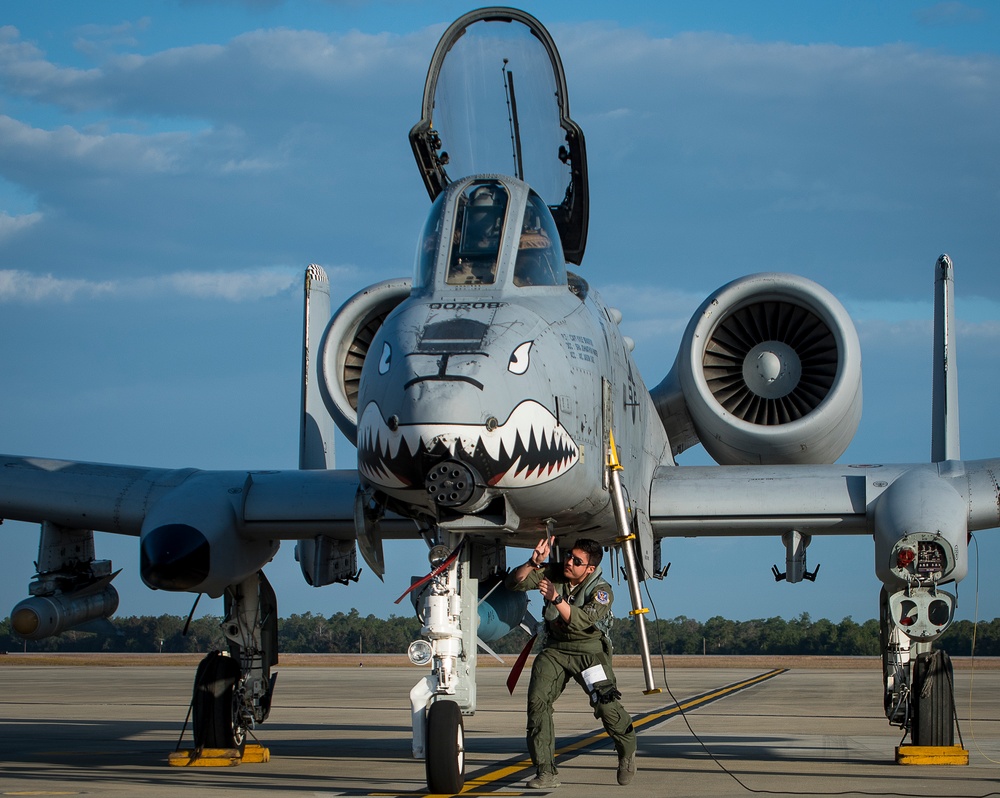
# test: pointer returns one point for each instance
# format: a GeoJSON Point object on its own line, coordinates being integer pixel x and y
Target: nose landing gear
{"type": "Point", "coordinates": [447, 607]}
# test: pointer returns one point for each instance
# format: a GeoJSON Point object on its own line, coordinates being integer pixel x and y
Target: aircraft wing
{"type": "Point", "coordinates": [759, 500]}
{"type": "Point", "coordinates": [816, 499]}
{"type": "Point", "coordinates": [199, 531]}
{"type": "Point", "coordinates": [282, 505]}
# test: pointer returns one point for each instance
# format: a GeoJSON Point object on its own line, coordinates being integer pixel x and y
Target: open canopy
{"type": "Point", "coordinates": [495, 102]}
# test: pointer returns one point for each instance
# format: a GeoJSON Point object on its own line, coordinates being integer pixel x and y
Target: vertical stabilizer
{"type": "Point", "coordinates": [317, 428]}
{"type": "Point", "coordinates": [944, 431]}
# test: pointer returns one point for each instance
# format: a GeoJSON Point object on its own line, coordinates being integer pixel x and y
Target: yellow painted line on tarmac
{"type": "Point", "coordinates": [654, 717]}
{"type": "Point", "coordinates": [480, 785]}
{"type": "Point", "coordinates": [480, 782]}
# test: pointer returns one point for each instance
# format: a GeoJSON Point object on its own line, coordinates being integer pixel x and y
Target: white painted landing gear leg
{"type": "Point", "coordinates": [625, 541]}
{"type": "Point", "coordinates": [447, 607]}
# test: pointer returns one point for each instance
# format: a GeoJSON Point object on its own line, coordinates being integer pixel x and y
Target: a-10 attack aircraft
{"type": "Point", "coordinates": [493, 400]}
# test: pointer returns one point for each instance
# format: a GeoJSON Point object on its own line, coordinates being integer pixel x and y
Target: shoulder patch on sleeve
{"type": "Point", "coordinates": [602, 597]}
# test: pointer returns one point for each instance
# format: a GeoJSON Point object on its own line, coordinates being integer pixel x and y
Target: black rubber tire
{"type": "Point", "coordinates": [445, 748]}
{"type": "Point", "coordinates": [213, 720]}
{"type": "Point", "coordinates": [933, 700]}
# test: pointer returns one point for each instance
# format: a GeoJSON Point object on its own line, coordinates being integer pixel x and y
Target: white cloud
{"type": "Point", "coordinates": [97, 40]}
{"type": "Point", "coordinates": [25, 71]}
{"type": "Point", "coordinates": [9, 225]}
{"type": "Point", "coordinates": [233, 286]}
{"type": "Point", "coordinates": [24, 148]}
{"type": "Point", "coordinates": [19, 286]}
{"type": "Point", "coordinates": [949, 13]}
{"type": "Point", "coordinates": [746, 150]}
{"type": "Point", "coordinates": [236, 80]}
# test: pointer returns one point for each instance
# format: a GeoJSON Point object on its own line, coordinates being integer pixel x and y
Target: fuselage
{"type": "Point", "coordinates": [489, 394]}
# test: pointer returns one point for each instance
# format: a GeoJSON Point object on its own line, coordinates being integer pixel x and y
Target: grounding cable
{"type": "Point", "coordinates": [736, 778]}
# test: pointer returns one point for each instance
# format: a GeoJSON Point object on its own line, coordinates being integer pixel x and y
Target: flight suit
{"type": "Point", "coordinates": [567, 651]}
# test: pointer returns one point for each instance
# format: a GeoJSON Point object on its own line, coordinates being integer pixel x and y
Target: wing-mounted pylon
{"type": "Point", "coordinates": [495, 101]}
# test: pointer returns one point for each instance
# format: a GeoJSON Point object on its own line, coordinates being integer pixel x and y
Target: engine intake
{"type": "Point", "coordinates": [768, 372]}
{"type": "Point", "coordinates": [770, 362]}
{"type": "Point", "coordinates": [345, 347]}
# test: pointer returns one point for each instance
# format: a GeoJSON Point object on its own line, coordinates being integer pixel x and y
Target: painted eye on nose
{"type": "Point", "coordinates": [519, 359]}
{"type": "Point", "coordinates": [386, 360]}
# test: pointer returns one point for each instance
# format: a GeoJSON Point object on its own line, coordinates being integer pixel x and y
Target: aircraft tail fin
{"type": "Point", "coordinates": [944, 430]}
{"type": "Point", "coordinates": [317, 427]}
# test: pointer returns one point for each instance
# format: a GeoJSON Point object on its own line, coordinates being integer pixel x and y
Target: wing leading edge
{"type": "Point", "coordinates": [282, 505]}
{"type": "Point", "coordinates": [811, 499]}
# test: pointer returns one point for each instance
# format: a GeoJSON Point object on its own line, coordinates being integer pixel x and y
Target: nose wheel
{"type": "Point", "coordinates": [445, 758]}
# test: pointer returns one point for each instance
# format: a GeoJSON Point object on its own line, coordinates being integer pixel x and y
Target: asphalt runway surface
{"type": "Point", "coordinates": [97, 730]}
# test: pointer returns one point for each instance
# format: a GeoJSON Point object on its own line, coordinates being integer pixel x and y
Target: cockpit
{"type": "Point", "coordinates": [496, 103]}
{"type": "Point", "coordinates": [490, 231]}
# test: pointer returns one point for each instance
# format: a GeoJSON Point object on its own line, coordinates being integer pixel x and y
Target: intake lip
{"type": "Point", "coordinates": [174, 557]}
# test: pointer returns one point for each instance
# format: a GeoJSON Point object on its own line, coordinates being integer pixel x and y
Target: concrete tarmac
{"type": "Point", "coordinates": [107, 731]}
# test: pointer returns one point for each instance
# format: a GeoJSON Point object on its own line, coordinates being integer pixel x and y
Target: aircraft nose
{"type": "Point", "coordinates": [174, 557]}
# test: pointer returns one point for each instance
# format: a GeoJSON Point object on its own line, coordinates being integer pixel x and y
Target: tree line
{"type": "Point", "coordinates": [352, 633]}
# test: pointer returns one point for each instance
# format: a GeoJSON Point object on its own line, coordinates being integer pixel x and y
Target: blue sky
{"type": "Point", "coordinates": [168, 169]}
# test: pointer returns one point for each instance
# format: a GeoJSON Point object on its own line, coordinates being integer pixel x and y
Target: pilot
{"type": "Point", "coordinates": [485, 220]}
{"type": "Point", "coordinates": [576, 646]}
{"type": "Point", "coordinates": [535, 254]}
{"type": "Point", "coordinates": [474, 259]}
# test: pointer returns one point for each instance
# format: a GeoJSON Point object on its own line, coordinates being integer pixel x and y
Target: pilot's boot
{"type": "Point", "coordinates": [626, 769]}
{"type": "Point", "coordinates": [545, 779]}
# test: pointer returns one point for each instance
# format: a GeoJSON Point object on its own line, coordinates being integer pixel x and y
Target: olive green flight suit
{"type": "Point", "coordinates": [568, 650]}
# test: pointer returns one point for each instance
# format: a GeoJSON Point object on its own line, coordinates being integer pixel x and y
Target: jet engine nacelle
{"type": "Point", "coordinates": [768, 372]}
{"type": "Point", "coordinates": [345, 347]}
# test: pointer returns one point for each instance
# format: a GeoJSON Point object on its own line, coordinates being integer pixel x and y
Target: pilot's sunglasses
{"type": "Point", "coordinates": [576, 560]}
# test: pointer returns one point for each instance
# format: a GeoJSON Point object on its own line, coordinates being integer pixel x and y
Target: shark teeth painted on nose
{"type": "Point", "coordinates": [529, 448]}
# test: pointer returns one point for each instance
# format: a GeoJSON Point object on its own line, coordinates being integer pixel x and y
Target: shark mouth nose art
{"type": "Point", "coordinates": [529, 448]}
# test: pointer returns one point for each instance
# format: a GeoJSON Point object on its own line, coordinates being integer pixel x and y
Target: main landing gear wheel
{"type": "Point", "coordinates": [933, 700]}
{"type": "Point", "coordinates": [214, 711]}
{"type": "Point", "coordinates": [445, 754]}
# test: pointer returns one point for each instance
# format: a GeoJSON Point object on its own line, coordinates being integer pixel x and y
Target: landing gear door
{"type": "Point", "coordinates": [495, 101]}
